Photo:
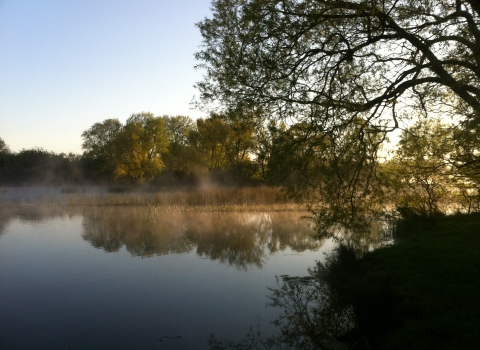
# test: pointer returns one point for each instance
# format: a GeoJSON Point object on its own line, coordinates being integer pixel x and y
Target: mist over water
{"type": "Point", "coordinates": [140, 277]}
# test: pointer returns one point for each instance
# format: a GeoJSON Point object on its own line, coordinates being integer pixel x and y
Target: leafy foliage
{"type": "Point", "coordinates": [3, 147]}
{"type": "Point", "coordinates": [422, 177]}
{"type": "Point", "coordinates": [140, 145]}
{"type": "Point", "coordinates": [100, 146]}
{"type": "Point", "coordinates": [39, 167]}
{"type": "Point", "coordinates": [341, 75]}
{"type": "Point", "coordinates": [338, 59]}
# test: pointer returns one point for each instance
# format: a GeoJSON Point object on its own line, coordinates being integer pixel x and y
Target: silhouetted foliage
{"type": "Point", "coordinates": [352, 72]}
{"type": "Point", "coordinates": [39, 167]}
{"type": "Point", "coordinates": [4, 149]}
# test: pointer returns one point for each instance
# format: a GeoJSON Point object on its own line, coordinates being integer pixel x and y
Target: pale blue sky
{"type": "Point", "coordinates": [67, 64]}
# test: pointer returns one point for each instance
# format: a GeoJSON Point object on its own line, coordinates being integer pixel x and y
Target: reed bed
{"type": "Point", "coordinates": [200, 200]}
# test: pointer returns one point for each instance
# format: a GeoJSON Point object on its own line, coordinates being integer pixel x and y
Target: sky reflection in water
{"type": "Point", "coordinates": [153, 277]}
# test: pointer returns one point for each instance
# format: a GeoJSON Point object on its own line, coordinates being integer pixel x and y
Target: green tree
{"type": "Point", "coordinates": [178, 128]}
{"type": "Point", "coordinates": [211, 142]}
{"type": "Point", "coordinates": [334, 172]}
{"type": "Point", "coordinates": [291, 156]}
{"type": "Point", "coordinates": [350, 192]}
{"type": "Point", "coordinates": [4, 149]}
{"type": "Point", "coordinates": [241, 142]}
{"type": "Point", "coordinates": [38, 166]}
{"type": "Point", "coordinates": [180, 158]}
{"type": "Point", "coordinates": [100, 146]}
{"type": "Point", "coordinates": [5, 157]}
{"type": "Point", "coordinates": [223, 142]}
{"type": "Point", "coordinates": [263, 144]}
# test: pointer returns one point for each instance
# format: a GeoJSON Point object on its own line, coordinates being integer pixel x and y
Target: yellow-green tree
{"type": "Point", "coordinates": [466, 160]}
{"type": "Point", "coordinates": [140, 146]}
{"type": "Point", "coordinates": [466, 157]}
{"type": "Point", "coordinates": [420, 175]}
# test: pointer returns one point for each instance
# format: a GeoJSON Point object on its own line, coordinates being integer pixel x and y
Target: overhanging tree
{"type": "Point", "coordinates": [332, 63]}
{"type": "Point", "coordinates": [355, 57]}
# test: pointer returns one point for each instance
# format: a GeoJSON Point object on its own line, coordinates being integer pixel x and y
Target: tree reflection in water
{"type": "Point", "coordinates": [310, 319]}
{"type": "Point", "coordinates": [5, 215]}
{"type": "Point", "coordinates": [317, 311]}
{"type": "Point", "coordinates": [29, 213]}
{"type": "Point", "coordinates": [312, 316]}
{"type": "Point", "coordinates": [139, 229]}
{"type": "Point", "coordinates": [240, 239]}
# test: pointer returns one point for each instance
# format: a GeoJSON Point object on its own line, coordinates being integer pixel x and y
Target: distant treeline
{"type": "Point", "coordinates": [434, 168]}
{"type": "Point", "coordinates": [163, 151]}
{"type": "Point", "coordinates": [40, 167]}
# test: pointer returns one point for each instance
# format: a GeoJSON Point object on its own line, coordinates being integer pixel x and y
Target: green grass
{"type": "Point", "coordinates": [429, 284]}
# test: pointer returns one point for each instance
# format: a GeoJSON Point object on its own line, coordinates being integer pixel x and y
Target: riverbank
{"type": "Point", "coordinates": [422, 293]}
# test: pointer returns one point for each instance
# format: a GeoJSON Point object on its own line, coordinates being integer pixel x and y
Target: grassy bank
{"type": "Point", "coordinates": [422, 293]}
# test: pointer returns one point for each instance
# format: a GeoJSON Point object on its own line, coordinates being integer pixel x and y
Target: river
{"type": "Point", "coordinates": [143, 278]}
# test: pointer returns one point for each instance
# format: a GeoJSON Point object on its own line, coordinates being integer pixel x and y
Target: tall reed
{"type": "Point", "coordinates": [216, 199]}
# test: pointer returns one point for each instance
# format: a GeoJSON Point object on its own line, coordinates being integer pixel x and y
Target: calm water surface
{"type": "Point", "coordinates": [139, 278]}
